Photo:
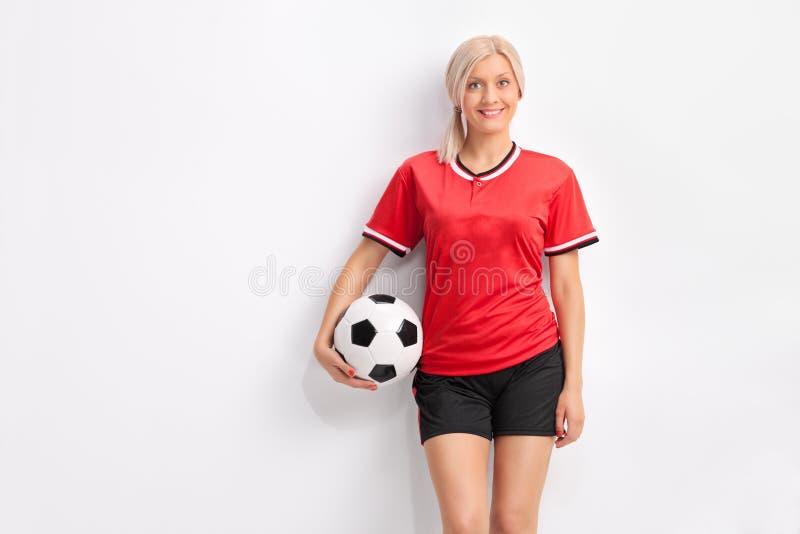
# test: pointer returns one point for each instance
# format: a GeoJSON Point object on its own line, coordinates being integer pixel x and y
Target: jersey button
{"type": "Point", "coordinates": [478, 183]}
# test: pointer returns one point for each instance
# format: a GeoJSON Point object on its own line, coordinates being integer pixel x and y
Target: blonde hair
{"type": "Point", "coordinates": [461, 63]}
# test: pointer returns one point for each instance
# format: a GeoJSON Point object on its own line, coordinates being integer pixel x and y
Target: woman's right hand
{"type": "Point", "coordinates": [339, 370]}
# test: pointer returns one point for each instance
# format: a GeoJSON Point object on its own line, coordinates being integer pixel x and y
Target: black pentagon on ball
{"type": "Point", "coordinates": [382, 373]}
{"type": "Point", "coordinates": [381, 298]}
{"type": "Point", "coordinates": [407, 333]}
{"type": "Point", "coordinates": [362, 333]}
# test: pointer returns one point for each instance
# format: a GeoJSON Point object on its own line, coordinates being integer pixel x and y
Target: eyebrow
{"type": "Point", "coordinates": [480, 80]}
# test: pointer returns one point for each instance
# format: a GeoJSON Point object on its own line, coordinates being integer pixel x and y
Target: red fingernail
{"type": "Point", "coordinates": [351, 372]}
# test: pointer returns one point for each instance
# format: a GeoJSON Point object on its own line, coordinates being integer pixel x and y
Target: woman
{"type": "Point", "coordinates": [495, 363]}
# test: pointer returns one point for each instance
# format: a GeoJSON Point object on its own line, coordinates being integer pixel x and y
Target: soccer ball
{"type": "Point", "coordinates": [380, 337]}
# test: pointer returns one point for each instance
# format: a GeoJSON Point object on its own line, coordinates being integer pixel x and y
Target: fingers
{"type": "Point", "coordinates": [569, 432]}
{"type": "Point", "coordinates": [335, 359]}
{"type": "Point", "coordinates": [356, 382]}
{"type": "Point", "coordinates": [561, 412]}
{"type": "Point", "coordinates": [344, 368]}
{"type": "Point", "coordinates": [359, 383]}
{"type": "Point", "coordinates": [341, 371]}
{"type": "Point", "coordinates": [564, 437]}
{"type": "Point", "coordinates": [573, 432]}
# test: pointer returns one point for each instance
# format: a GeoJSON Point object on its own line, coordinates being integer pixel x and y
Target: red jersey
{"type": "Point", "coordinates": [484, 307]}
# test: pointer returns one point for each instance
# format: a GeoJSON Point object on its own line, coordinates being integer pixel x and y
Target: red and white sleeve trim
{"type": "Point", "coordinates": [578, 242]}
{"type": "Point", "coordinates": [391, 244]}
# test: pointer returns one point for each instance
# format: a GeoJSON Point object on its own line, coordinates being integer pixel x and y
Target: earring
{"type": "Point", "coordinates": [457, 109]}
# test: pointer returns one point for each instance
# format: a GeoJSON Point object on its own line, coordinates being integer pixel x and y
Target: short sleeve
{"type": "Point", "coordinates": [396, 223]}
{"type": "Point", "coordinates": [568, 223]}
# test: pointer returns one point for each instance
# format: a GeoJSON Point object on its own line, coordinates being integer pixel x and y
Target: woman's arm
{"type": "Point", "coordinates": [349, 286]}
{"type": "Point", "coordinates": [567, 293]}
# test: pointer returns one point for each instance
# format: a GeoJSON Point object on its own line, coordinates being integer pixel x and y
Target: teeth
{"type": "Point", "coordinates": [491, 112]}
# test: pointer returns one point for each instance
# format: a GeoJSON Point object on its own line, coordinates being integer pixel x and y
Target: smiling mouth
{"type": "Point", "coordinates": [492, 113]}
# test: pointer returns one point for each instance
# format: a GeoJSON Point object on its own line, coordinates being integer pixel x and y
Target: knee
{"type": "Point", "coordinates": [465, 522]}
{"type": "Point", "coordinates": [514, 522]}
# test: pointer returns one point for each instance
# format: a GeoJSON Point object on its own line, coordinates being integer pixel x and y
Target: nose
{"type": "Point", "coordinates": [489, 95]}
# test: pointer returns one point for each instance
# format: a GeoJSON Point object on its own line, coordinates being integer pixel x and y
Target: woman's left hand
{"type": "Point", "coordinates": [569, 408]}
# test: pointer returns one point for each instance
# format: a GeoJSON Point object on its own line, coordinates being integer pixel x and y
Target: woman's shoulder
{"type": "Point", "coordinates": [548, 168]}
{"type": "Point", "coordinates": [426, 157]}
{"type": "Point", "coordinates": [542, 158]}
{"type": "Point", "coordinates": [420, 164]}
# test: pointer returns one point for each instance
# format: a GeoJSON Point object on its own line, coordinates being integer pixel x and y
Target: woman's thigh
{"type": "Point", "coordinates": [520, 469]}
{"type": "Point", "coordinates": [458, 465]}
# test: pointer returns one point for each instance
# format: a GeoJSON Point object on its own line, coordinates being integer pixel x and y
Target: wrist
{"type": "Point", "coordinates": [573, 383]}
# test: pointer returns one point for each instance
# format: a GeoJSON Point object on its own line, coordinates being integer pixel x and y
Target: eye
{"type": "Point", "coordinates": [473, 83]}
{"type": "Point", "coordinates": [507, 82]}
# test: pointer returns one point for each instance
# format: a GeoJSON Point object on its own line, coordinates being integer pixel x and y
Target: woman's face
{"type": "Point", "coordinates": [491, 86]}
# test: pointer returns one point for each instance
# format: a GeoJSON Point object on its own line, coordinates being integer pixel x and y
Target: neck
{"type": "Point", "coordinates": [485, 147]}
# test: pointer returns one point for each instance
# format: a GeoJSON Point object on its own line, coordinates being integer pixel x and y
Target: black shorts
{"type": "Point", "coordinates": [520, 399]}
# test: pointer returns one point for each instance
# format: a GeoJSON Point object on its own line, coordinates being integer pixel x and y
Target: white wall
{"type": "Point", "coordinates": [156, 156]}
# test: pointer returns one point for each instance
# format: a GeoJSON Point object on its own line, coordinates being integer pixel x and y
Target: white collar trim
{"type": "Point", "coordinates": [498, 172]}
